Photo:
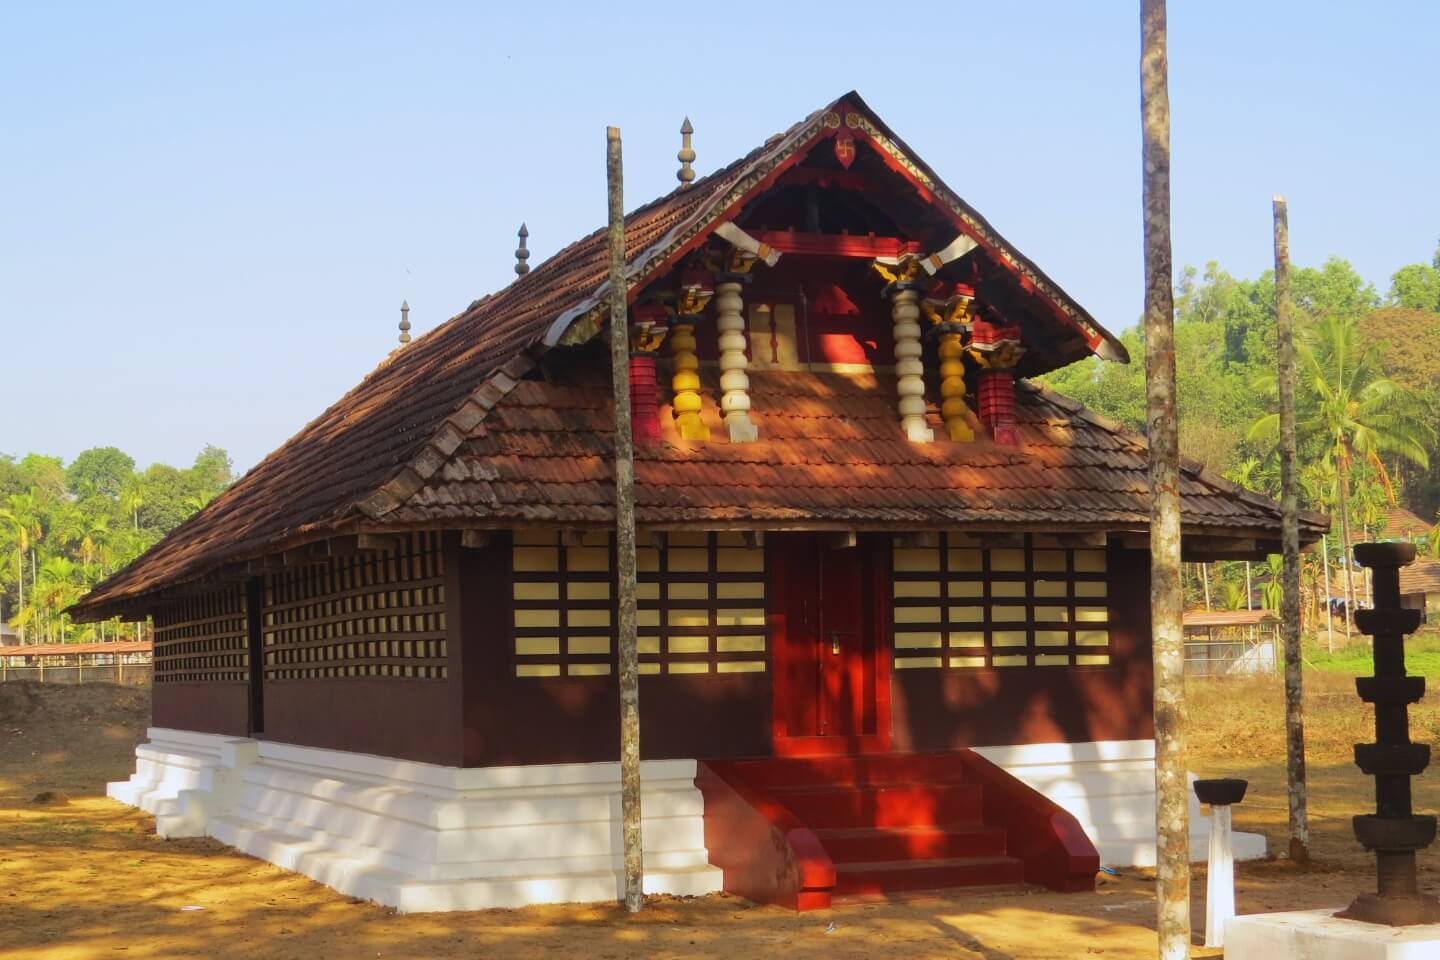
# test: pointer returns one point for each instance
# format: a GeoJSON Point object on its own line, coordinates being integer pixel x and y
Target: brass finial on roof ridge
{"type": "Point", "coordinates": [522, 253]}
{"type": "Point", "coordinates": [404, 322]}
{"type": "Point", "coordinates": [686, 156]}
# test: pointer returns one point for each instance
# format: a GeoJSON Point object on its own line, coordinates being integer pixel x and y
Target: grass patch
{"type": "Point", "coordinates": [1422, 656]}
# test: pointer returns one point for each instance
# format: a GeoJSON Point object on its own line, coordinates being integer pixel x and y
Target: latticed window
{"type": "Point", "coordinates": [961, 605]}
{"type": "Point", "coordinates": [203, 639]}
{"type": "Point", "coordinates": [701, 600]}
{"type": "Point", "coordinates": [700, 605]}
{"type": "Point", "coordinates": [564, 605]}
{"type": "Point", "coordinates": [373, 614]}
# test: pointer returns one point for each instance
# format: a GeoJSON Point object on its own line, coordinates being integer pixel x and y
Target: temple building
{"type": "Point", "coordinates": [893, 596]}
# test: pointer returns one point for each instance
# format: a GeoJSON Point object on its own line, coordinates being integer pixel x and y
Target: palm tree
{"type": "Point", "coordinates": [1261, 476]}
{"type": "Point", "coordinates": [1350, 412]}
{"type": "Point", "coordinates": [132, 498]}
{"type": "Point", "coordinates": [22, 513]}
{"type": "Point", "coordinates": [58, 586]}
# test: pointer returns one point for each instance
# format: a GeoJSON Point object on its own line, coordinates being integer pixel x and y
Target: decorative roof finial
{"type": "Point", "coordinates": [686, 156]}
{"type": "Point", "coordinates": [404, 322]}
{"type": "Point", "coordinates": [522, 253]}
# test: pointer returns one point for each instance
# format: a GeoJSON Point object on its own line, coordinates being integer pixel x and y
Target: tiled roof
{"type": "Point", "coordinates": [1401, 524]}
{"type": "Point", "coordinates": [75, 649]}
{"type": "Point", "coordinates": [362, 459]}
{"type": "Point", "coordinates": [829, 454]}
{"type": "Point", "coordinates": [1422, 576]}
{"type": "Point", "coordinates": [319, 478]}
{"type": "Point", "coordinates": [1202, 619]}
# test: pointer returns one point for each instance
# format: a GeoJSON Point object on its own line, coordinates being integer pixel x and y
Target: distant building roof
{"type": "Point", "coordinates": [1422, 576]}
{"type": "Point", "coordinates": [1201, 619]}
{"type": "Point", "coordinates": [75, 649]}
{"type": "Point", "coordinates": [1401, 524]}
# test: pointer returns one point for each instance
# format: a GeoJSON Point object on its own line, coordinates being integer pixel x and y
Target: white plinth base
{"type": "Point", "coordinates": [422, 837]}
{"type": "Point", "coordinates": [1319, 935]}
{"type": "Point", "coordinates": [1109, 787]}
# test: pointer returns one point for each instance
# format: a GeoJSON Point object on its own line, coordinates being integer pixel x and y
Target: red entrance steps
{"type": "Point", "coordinates": [860, 844]}
{"type": "Point", "coordinates": [862, 879]}
{"type": "Point", "coordinates": [797, 830]}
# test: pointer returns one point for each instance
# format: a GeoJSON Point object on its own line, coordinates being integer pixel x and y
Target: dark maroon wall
{"type": "Point", "coordinates": [411, 719]}
{"type": "Point", "coordinates": [944, 709]}
{"type": "Point", "coordinates": [203, 707]}
{"type": "Point", "coordinates": [510, 720]}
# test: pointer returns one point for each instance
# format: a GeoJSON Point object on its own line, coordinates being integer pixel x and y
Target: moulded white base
{"type": "Point", "coordinates": [1320, 935]}
{"type": "Point", "coordinates": [423, 837]}
{"type": "Point", "coordinates": [1109, 787]}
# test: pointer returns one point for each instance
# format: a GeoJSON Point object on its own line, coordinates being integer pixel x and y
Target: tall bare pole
{"type": "Point", "coordinates": [1290, 544]}
{"type": "Point", "coordinates": [1329, 617]}
{"type": "Point", "coordinates": [624, 533]}
{"type": "Point", "coordinates": [1172, 802]}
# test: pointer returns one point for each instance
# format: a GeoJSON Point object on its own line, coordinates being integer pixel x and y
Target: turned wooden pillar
{"type": "Point", "coordinates": [647, 331]}
{"type": "Point", "coordinates": [997, 350]}
{"type": "Point", "coordinates": [696, 289]}
{"type": "Point", "coordinates": [950, 318]}
{"type": "Point", "coordinates": [734, 380]}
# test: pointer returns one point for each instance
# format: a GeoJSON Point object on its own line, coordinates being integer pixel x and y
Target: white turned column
{"type": "Point", "coordinates": [905, 314]}
{"type": "Point", "coordinates": [734, 381]}
{"type": "Point", "coordinates": [1220, 883]}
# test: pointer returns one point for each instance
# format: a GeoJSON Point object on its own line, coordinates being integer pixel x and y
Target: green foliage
{"type": "Point", "coordinates": [1368, 399]}
{"type": "Point", "coordinates": [99, 471]}
{"type": "Point", "coordinates": [63, 529]}
{"type": "Point", "coordinates": [1416, 286]}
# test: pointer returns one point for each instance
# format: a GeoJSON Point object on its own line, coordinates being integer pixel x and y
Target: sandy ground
{"type": "Point", "coordinates": [88, 878]}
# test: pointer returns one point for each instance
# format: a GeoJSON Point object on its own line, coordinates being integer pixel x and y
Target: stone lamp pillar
{"type": "Point", "coordinates": [1394, 831]}
{"type": "Point", "coordinates": [1220, 795]}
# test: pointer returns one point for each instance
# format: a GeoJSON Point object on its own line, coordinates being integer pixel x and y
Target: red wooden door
{"type": "Point", "coordinates": [825, 641]}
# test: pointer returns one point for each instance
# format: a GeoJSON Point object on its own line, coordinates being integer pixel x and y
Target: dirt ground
{"type": "Point", "coordinates": [86, 877]}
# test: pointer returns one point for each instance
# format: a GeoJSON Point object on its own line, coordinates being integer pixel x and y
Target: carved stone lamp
{"type": "Point", "coordinates": [1394, 831]}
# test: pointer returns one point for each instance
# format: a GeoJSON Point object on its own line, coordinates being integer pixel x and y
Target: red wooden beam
{"type": "Point", "coordinates": [839, 179]}
{"type": "Point", "coordinates": [838, 245]}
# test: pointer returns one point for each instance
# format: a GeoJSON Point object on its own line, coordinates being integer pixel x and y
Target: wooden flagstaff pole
{"type": "Point", "coordinates": [1172, 787]}
{"type": "Point", "coordinates": [624, 533]}
{"type": "Point", "coordinates": [1290, 545]}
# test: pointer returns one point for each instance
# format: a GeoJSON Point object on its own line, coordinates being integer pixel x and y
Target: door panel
{"type": "Point", "coordinates": [824, 642]}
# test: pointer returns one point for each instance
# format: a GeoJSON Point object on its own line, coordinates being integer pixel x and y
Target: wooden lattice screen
{"type": "Point", "coordinates": [959, 605]}
{"type": "Point", "coordinates": [700, 597]}
{"type": "Point", "coordinates": [702, 605]}
{"type": "Point", "coordinates": [564, 607]}
{"type": "Point", "coordinates": [371, 614]}
{"type": "Point", "coordinates": [202, 639]}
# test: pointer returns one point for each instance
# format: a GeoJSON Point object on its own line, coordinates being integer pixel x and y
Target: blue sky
{"type": "Point", "coordinates": [210, 214]}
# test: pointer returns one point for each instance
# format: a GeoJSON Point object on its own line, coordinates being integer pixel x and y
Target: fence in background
{"type": "Point", "coordinates": [127, 662]}
{"type": "Point", "coordinates": [1231, 643]}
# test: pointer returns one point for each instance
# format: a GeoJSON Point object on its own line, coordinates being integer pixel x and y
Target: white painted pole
{"type": "Point", "coordinates": [1220, 885]}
